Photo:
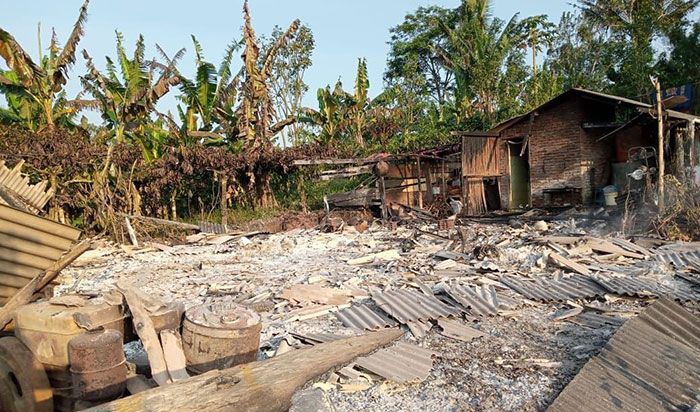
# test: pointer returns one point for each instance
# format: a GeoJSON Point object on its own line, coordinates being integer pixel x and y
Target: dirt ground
{"type": "Point", "coordinates": [522, 363]}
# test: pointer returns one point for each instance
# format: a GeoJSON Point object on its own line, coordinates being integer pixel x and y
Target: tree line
{"type": "Point", "coordinates": [238, 123]}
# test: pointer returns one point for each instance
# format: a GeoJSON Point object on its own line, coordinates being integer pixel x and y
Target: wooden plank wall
{"type": "Point", "coordinates": [480, 156]}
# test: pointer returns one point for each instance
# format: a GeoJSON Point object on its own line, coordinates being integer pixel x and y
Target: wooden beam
{"type": "Point", "coordinates": [259, 386]}
{"type": "Point", "coordinates": [312, 162]}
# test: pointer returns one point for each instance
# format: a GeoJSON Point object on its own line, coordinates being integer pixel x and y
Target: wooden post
{"type": "Point", "coordinates": [382, 193]}
{"type": "Point", "coordinates": [420, 184]}
{"type": "Point", "coordinates": [444, 181]}
{"type": "Point", "coordinates": [660, 150]}
{"type": "Point", "coordinates": [429, 184]}
{"type": "Point", "coordinates": [302, 191]}
{"type": "Point", "coordinates": [691, 153]}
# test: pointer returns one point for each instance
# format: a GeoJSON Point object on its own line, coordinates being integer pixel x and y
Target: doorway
{"type": "Point", "coordinates": [519, 175]}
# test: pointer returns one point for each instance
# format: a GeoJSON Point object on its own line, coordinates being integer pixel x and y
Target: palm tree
{"type": "Point", "coordinates": [35, 91]}
{"type": "Point", "coordinates": [127, 104]}
{"type": "Point", "coordinates": [482, 52]}
{"type": "Point", "coordinates": [640, 22]}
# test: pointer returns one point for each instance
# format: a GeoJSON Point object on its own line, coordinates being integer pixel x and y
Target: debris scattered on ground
{"type": "Point", "coordinates": [488, 315]}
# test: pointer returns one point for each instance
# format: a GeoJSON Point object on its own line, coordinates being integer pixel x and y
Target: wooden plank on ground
{"type": "Point", "coordinates": [144, 328]}
{"type": "Point", "coordinates": [568, 264]}
{"type": "Point", "coordinates": [259, 386]}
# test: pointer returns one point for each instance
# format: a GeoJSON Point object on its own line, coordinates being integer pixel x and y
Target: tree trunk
{"type": "Point", "coordinates": [259, 386]}
{"type": "Point", "coordinates": [265, 198]}
{"type": "Point", "coordinates": [223, 201]}
{"type": "Point", "coordinates": [302, 191]}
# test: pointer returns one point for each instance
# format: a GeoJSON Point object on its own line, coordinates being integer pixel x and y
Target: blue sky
{"type": "Point", "coordinates": [344, 30]}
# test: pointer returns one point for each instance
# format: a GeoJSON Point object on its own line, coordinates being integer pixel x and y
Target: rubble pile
{"type": "Point", "coordinates": [495, 315]}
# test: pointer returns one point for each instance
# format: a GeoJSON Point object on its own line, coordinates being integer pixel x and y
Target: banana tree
{"type": "Point", "coordinates": [127, 103]}
{"type": "Point", "coordinates": [332, 116]}
{"type": "Point", "coordinates": [255, 109]}
{"type": "Point", "coordinates": [360, 102]}
{"type": "Point", "coordinates": [254, 112]}
{"type": "Point", "coordinates": [210, 98]}
{"type": "Point", "coordinates": [35, 90]}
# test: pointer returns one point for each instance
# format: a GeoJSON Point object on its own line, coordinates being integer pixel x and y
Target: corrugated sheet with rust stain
{"type": "Point", "coordinates": [28, 245]}
{"type": "Point", "coordinates": [363, 317]}
{"type": "Point", "coordinates": [400, 363]}
{"type": "Point", "coordinates": [546, 289]}
{"type": "Point", "coordinates": [408, 305]}
{"type": "Point", "coordinates": [35, 196]}
{"type": "Point", "coordinates": [651, 364]}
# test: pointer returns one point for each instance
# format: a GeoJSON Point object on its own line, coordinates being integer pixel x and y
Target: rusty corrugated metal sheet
{"type": "Point", "coordinates": [28, 245]}
{"type": "Point", "coordinates": [35, 196]}
{"type": "Point", "coordinates": [409, 305]}
{"type": "Point", "coordinates": [363, 317]}
{"type": "Point", "coordinates": [400, 363]}
{"type": "Point", "coordinates": [480, 300]}
{"type": "Point", "coordinates": [651, 364]}
{"type": "Point", "coordinates": [546, 289]}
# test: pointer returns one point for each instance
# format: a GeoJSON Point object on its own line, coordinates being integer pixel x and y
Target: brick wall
{"type": "Point", "coordinates": [561, 152]}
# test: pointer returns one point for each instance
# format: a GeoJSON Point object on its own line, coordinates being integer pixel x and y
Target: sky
{"type": "Point", "coordinates": [343, 30]}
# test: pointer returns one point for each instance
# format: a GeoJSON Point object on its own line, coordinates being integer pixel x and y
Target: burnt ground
{"type": "Point", "coordinates": [523, 362]}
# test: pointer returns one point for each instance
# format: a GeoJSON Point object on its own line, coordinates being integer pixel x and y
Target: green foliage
{"type": "Point", "coordinates": [679, 66]}
{"type": "Point", "coordinates": [287, 83]}
{"type": "Point", "coordinates": [637, 23]}
{"type": "Point", "coordinates": [34, 91]}
{"type": "Point", "coordinates": [127, 99]}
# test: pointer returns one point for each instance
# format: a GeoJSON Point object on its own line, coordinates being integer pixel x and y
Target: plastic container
{"type": "Point", "coordinates": [46, 329]}
{"type": "Point", "coordinates": [219, 336]}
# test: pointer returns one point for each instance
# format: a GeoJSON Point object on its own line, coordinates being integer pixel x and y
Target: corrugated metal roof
{"type": "Point", "coordinates": [457, 330]}
{"type": "Point", "coordinates": [546, 289]}
{"type": "Point", "coordinates": [681, 260]}
{"type": "Point", "coordinates": [28, 245]}
{"type": "Point", "coordinates": [596, 320]}
{"type": "Point", "coordinates": [363, 317]}
{"type": "Point", "coordinates": [482, 301]}
{"type": "Point", "coordinates": [651, 364]}
{"type": "Point", "coordinates": [215, 228]}
{"type": "Point", "coordinates": [35, 196]}
{"type": "Point", "coordinates": [400, 363]}
{"type": "Point", "coordinates": [637, 286]}
{"type": "Point", "coordinates": [409, 305]}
